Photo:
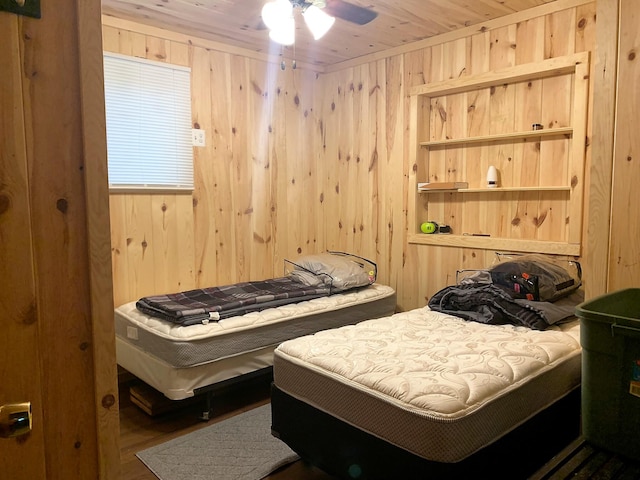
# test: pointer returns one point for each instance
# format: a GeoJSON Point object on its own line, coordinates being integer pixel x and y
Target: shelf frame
{"type": "Point", "coordinates": [576, 64]}
{"type": "Point", "coordinates": [557, 188]}
{"type": "Point", "coordinates": [496, 243]}
{"type": "Point", "coordinates": [505, 137]}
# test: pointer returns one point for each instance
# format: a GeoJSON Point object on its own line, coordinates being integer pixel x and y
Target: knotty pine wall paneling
{"type": "Point", "coordinates": [241, 179]}
{"type": "Point", "coordinates": [56, 307]}
{"type": "Point", "coordinates": [362, 119]}
{"type": "Point", "coordinates": [603, 140]}
{"type": "Point", "coordinates": [624, 249]}
{"type": "Point", "coordinates": [259, 87]}
{"type": "Point", "coordinates": [552, 220]}
{"type": "Point", "coordinates": [612, 249]}
{"type": "Point", "coordinates": [298, 161]}
{"type": "Point", "coordinates": [256, 198]}
{"type": "Point", "coordinates": [393, 215]}
{"type": "Point", "coordinates": [212, 198]}
{"type": "Point", "coordinates": [559, 33]}
{"type": "Point", "coordinates": [204, 227]}
{"type": "Point", "coordinates": [289, 120]}
{"type": "Point", "coordinates": [295, 155]}
{"type": "Point", "coordinates": [152, 234]}
{"type": "Point", "coordinates": [528, 100]}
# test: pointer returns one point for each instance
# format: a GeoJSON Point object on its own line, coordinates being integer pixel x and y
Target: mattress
{"type": "Point", "coordinates": [177, 360]}
{"type": "Point", "coordinates": [432, 384]}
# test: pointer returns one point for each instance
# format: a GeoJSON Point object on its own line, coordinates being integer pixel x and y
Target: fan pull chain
{"type": "Point", "coordinates": [283, 65]}
{"type": "Point", "coordinates": [293, 63]}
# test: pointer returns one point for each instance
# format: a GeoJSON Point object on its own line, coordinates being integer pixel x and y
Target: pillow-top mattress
{"type": "Point", "coordinates": [433, 384]}
{"type": "Point", "coordinates": [188, 346]}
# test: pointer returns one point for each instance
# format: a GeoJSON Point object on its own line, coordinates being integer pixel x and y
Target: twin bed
{"type": "Point", "coordinates": [426, 394]}
{"type": "Point", "coordinates": [181, 361]}
{"type": "Point", "coordinates": [191, 342]}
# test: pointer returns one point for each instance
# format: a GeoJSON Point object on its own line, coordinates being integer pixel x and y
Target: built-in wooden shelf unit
{"type": "Point", "coordinates": [459, 127]}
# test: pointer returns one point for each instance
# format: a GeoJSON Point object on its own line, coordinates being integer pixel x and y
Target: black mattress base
{"type": "Point", "coordinates": [347, 452]}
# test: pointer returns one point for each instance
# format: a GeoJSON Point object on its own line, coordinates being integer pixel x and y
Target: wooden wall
{"type": "Point", "coordinates": [298, 161]}
{"type": "Point", "coordinates": [612, 252]}
{"type": "Point", "coordinates": [422, 270]}
{"type": "Point", "coordinates": [624, 250]}
{"type": "Point", "coordinates": [256, 199]}
{"type": "Point", "coordinates": [57, 349]}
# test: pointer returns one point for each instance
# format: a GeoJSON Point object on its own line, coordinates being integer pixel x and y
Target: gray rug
{"type": "Point", "coordinates": [240, 448]}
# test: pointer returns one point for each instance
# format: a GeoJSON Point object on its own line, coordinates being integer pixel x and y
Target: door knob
{"type": "Point", "coordinates": [15, 419]}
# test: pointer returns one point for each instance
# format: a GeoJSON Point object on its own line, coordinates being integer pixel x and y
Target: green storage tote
{"type": "Point", "coordinates": [610, 338]}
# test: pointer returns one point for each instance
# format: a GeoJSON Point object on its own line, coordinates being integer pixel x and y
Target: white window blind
{"type": "Point", "coordinates": [148, 110]}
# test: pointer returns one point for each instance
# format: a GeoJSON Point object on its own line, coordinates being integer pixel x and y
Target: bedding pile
{"type": "Point", "coordinates": [313, 276]}
{"type": "Point", "coordinates": [527, 290]}
{"type": "Point", "coordinates": [487, 303]}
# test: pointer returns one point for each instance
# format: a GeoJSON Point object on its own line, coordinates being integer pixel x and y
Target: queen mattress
{"type": "Point", "coordinates": [434, 385]}
{"type": "Point", "coordinates": [178, 360]}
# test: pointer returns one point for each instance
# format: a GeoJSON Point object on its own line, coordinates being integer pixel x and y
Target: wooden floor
{"type": "Point", "coordinates": [139, 431]}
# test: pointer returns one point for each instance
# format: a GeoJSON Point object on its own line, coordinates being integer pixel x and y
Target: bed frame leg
{"type": "Point", "coordinates": [207, 412]}
{"type": "Point", "coordinates": [223, 386]}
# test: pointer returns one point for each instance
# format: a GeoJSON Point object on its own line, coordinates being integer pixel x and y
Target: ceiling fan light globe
{"type": "Point", "coordinates": [285, 34]}
{"type": "Point", "coordinates": [318, 21]}
{"type": "Point", "coordinates": [275, 13]}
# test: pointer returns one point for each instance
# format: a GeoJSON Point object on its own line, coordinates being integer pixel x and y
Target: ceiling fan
{"type": "Point", "coordinates": [343, 10]}
{"type": "Point", "coordinates": [319, 15]}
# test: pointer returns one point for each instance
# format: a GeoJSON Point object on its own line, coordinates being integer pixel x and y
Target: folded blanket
{"type": "Point", "coordinates": [487, 303]}
{"type": "Point", "coordinates": [214, 303]}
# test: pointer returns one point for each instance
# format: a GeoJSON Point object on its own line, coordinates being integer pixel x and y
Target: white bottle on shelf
{"type": "Point", "coordinates": [492, 177]}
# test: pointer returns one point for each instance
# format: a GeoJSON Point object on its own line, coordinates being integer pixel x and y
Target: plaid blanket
{"type": "Point", "coordinates": [214, 303]}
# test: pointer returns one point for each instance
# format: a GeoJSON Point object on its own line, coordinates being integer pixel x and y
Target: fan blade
{"type": "Point", "coordinates": [350, 12]}
{"type": "Point", "coordinates": [260, 25]}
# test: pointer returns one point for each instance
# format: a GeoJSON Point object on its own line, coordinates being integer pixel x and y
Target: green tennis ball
{"type": "Point", "coordinates": [428, 227]}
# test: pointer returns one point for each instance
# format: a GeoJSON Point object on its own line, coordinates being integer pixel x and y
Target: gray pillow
{"type": "Point", "coordinates": [340, 271]}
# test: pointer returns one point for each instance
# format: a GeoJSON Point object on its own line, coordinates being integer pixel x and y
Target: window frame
{"type": "Point", "coordinates": [157, 108]}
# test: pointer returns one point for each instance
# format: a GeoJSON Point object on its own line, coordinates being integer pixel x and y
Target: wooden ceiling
{"type": "Point", "coordinates": [238, 23]}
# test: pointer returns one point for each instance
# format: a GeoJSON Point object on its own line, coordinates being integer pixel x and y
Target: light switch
{"type": "Point", "coordinates": [198, 137]}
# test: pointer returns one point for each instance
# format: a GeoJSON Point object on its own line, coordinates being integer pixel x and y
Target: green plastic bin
{"type": "Point", "coordinates": [610, 338]}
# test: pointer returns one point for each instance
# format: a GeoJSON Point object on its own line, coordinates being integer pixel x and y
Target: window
{"type": "Point", "coordinates": [148, 110]}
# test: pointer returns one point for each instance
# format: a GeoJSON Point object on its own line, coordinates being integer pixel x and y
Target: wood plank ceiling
{"type": "Point", "coordinates": [238, 23]}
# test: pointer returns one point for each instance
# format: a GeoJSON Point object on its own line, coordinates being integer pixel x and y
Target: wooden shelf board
{"type": "Point", "coordinates": [558, 188]}
{"type": "Point", "coordinates": [496, 243]}
{"type": "Point", "coordinates": [518, 73]}
{"type": "Point", "coordinates": [499, 137]}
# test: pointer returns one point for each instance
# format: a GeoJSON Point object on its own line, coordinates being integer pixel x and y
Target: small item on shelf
{"type": "Point", "coordinates": [537, 126]}
{"type": "Point", "coordinates": [429, 227]}
{"type": "Point", "coordinates": [433, 227]}
{"type": "Point", "coordinates": [425, 186]}
{"type": "Point", "coordinates": [492, 177]}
